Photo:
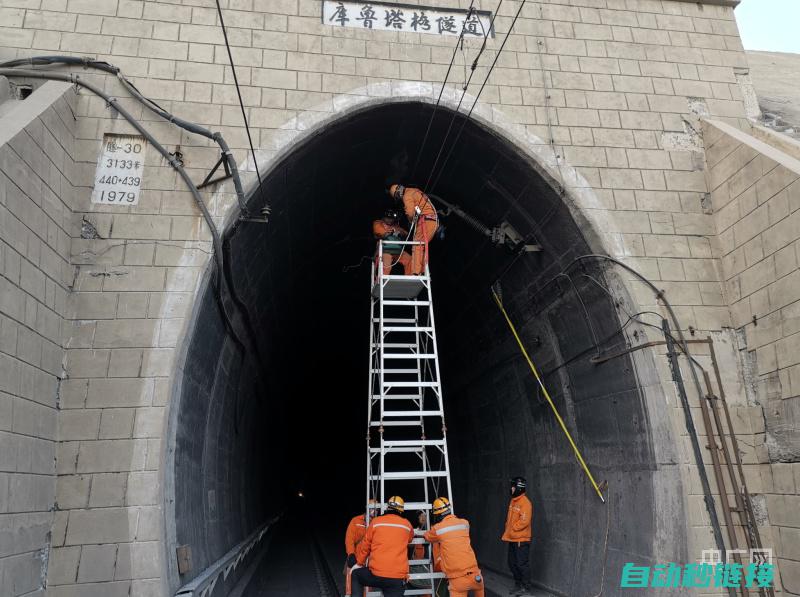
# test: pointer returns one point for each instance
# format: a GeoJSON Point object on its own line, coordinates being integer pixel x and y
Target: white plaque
{"type": "Point", "coordinates": [118, 179]}
{"type": "Point", "coordinates": [409, 19]}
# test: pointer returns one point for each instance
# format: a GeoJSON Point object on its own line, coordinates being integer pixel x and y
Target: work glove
{"type": "Point", "coordinates": [351, 560]}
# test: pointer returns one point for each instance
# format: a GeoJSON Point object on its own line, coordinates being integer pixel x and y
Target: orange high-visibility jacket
{"type": "Point", "coordinates": [381, 229]}
{"type": "Point", "coordinates": [413, 198]}
{"type": "Point", "coordinates": [355, 533]}
{"type": "Point", "coordinates": [518, 520]}
{"type": "Point", "coordinates": [386, 545]}
{"type": "Point", "coordinates": [452, 536]}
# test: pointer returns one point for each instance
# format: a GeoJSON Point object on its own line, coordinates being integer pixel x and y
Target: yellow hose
{"type": "Point", "coordinates": [547, 395]}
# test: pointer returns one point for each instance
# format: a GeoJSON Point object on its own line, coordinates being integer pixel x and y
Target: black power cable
{"type": "Point", "coordinates": [239, 93]}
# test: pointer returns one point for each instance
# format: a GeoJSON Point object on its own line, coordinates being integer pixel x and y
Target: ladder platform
{"type": "Point", "coordinates": [407, 303]}
{"type": "Point", "coordinates": [400, 287]}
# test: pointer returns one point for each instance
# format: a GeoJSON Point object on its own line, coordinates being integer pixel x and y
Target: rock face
{"type": "Point", "coordinates": [776, 80]}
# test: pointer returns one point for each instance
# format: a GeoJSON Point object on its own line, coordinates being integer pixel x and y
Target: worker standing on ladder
{"type": "Point", "coordinates": [518, 536]}
{"type": "Point", "coordinates": [451, 534]}
{"type": "Point", "coordinates": [385, 550]}
{"type": "Point", "coordinates": [388, 229]}
{"type": "Point", "coordinates": [422, 216]}
{"type": "Point", "coordinates": [355, 533]}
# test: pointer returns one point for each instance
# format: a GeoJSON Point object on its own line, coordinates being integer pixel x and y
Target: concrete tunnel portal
{"type": "Point", "coordinates": [247, 436]}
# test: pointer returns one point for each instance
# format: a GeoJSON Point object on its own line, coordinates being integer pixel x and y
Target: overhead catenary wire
{"type": "Point", "coordinates": [239, 94]}
{"type": "Point", "coordinates": [464, 93]}
{"type": "Point", "coordinates": [459, 41]}
{"type": "Point", "coordinates": [474, 103]}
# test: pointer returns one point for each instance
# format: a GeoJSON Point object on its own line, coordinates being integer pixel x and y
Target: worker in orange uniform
{"type": "Point", "coordinates": [458, 559]}
{"type": "Point", "coordinates": [388, 229]}
{"type": "Point", "coordinates": [421, 213]}
{"type": "Point", "coordinates": [384, 550]}
{"type": "Point", "coordinates": [518, 536]}
{"type": "Point", "coordinates": [355, 533]}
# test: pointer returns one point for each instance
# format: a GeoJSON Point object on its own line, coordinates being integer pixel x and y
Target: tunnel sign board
{"type": "Point", "coordinates": [406, 18]}
{"type": "Point", "coordinates": [118, 179]}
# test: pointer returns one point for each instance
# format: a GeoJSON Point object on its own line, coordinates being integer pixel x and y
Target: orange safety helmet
{"type": "Point", "coordinates": [441, 508]}
{"type": "Point", "coordinates": [396, 503]}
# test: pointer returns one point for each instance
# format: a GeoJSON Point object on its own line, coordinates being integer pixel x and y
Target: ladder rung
{"type": "Point", "coordinates": [395, 424]}
{"type": "Point", "coordinates": [409, 328]}
{"type": "Point", "coordinates": [411, 384]}
{"type": "Point", "coordinates": [397, 397]}
{"type": "Point", "coordinates": [413, 413]}
{"type": "Point", "coordinates": [395, 371]}
{"type": "Point", "coordinates": [410, 303]}
{"type": "Point", "coordinates": [409, 355]}
{"type": "Point", "coordinates": [401, 278]}
{"type": "Point", "coordinates": [394, 450]}
{"type": "Point", "coordinates": [412, 442]}
{"type": "Point", "coordinates": [407, 592]}
{"type": "Point", "coordinates": [408, 475]}
{"type": "Point", "coordinates": [419, 562]}
{"type": "Point", "coordinates": [394, 320]}
{"type": "Point", "coordinates": [386, 345]}
{"type": "Point", "coordinates": [424, 576]}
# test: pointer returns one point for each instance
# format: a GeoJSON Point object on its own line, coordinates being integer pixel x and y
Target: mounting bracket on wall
{"type": "Point", "coordinates": [208, 180]}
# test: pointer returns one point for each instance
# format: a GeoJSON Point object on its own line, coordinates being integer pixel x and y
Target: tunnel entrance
{"type": "Point", "coordinates": [248, 435]}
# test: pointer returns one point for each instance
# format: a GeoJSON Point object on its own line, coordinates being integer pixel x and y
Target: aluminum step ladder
{"type": "Point", "coordinates": [406, 433]}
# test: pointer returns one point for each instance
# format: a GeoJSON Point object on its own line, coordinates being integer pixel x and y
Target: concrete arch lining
{"type": "Point", "coordinates": [321, 206]}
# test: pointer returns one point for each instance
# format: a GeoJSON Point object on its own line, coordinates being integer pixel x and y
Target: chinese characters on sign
{"type": "Point", "coordinates": [758, 572]}
{"type": "Point", "coordinates": [410, 19]}
{"type": "Point", "coordinates": [118, 178]}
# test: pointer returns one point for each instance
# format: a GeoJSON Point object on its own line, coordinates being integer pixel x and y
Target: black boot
{"type": "Point", "coordinates": [517, 590]}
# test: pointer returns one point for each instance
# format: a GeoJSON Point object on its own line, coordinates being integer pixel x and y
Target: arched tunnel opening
{"type": "Point", "coordinates": [249, 435]}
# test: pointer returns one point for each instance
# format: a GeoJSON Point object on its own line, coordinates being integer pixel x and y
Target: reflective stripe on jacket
{"type": "Point", "coordinates": [386, 545]}
{"type": "Point", "coordinates": [518, 520]}
{"type": "Point", "coordinates": [355, 533]}
{"type": "Point", "coordinates": [451, 535]}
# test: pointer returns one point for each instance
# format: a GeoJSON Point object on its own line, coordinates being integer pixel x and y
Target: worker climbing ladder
{"type": "Point", "coordinates": [406, 434]}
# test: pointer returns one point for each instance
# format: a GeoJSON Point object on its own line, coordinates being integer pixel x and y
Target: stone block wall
{"type": "Point", "coordinates": [618, 85]}
{"type": "Point", "coordinates": [755, 192]}
{"type": "Point", "coordinates": [36, 199]}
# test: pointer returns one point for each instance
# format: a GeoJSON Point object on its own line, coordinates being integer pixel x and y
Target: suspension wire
{"type": "Point", "coordinates": [464, 90]}
{"type": "Point", "coordinates": [475, 103]}
{"type": "Point", "coordinates": [239, 93]}
{"type": "Point", "coordinates": [459, 41]}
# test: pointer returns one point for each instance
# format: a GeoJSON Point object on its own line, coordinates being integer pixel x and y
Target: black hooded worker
{"type": "Point", "coordinates": [420, 212]}
{"type": "Point", "coordinates": [518, 536]}
{"type": "Point", "coordinates": [388, 229]}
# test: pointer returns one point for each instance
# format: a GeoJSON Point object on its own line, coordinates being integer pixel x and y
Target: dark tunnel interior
{"type": "Point", "coordinates": [249, 434]}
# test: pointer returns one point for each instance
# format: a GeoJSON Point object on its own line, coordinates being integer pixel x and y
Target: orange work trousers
{"type": "Point", "coordinates": [403, 259]}
{"type": "Point", "coordinates": [423, 232]}
{"type": "Point", "coordinates": [463, 586]}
